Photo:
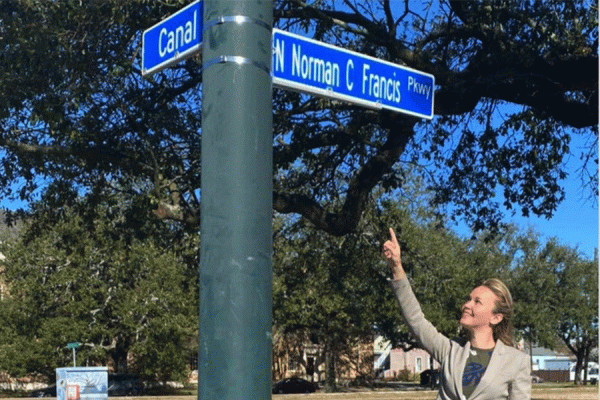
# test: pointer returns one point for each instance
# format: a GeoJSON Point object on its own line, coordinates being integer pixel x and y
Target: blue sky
{"type": "Point", "coordinates": [575, 222]}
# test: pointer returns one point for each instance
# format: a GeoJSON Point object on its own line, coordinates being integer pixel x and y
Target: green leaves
{"type": "Point", "coordinates": [96, 282]}
{"type": "Point", "coordinates": [76, 109]}
{"type": "Point", "coordinates": [556, 293]}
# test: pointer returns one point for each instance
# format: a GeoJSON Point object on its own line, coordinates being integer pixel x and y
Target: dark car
{"type": "Point", "coordinates": [125, 385]}
{"type": "Point", "coordinates": [49, 391]}
{"type": "Point", "coordinates": [430, 378]}
{"type": "Point", "coordinates": [294, 385]}
{"type": "Point", "coordinates": [536, 379]}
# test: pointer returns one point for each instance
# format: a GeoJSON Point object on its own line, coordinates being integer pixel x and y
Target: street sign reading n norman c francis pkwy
{"type": "Point", "coordinates": [318, 68]}
{"type": "Point", "coordinates": [174, 38]}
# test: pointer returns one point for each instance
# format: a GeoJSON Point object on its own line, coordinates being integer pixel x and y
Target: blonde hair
{"type": "Point", "coordinates": [502, 331]}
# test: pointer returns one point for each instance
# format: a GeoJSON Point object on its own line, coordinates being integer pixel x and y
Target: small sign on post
{"type": "Point", "coordinates": [73, 346]}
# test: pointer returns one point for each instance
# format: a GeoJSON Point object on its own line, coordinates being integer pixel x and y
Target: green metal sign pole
{"type": "Point", "coordinates": [236, 216]}
{"type": "Point", "coordinates": [73, 345]}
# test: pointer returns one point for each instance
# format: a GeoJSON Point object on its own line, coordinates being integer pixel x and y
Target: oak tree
{"type": "Point", "coordinates": [515, 81]}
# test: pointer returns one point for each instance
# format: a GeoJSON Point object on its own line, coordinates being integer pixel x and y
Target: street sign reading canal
{"type": "Point", "coordinates": [173, 39]}
{"type": "Point", "coordinates": [309, 66]}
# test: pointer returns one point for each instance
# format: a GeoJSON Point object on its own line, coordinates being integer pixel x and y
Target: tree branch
{"type": "Point", "coordinates": [401, 130]}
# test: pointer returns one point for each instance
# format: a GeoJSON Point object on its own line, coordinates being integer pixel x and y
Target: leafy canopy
{"type": "Point", "coordinates": [515, 81]}
{"type": "Point", "coordinates": [101, 281]}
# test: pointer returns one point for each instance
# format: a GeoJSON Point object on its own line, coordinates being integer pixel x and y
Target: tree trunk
{"type": "Point", "coordinates": [578, 367]}
{"type": "Point", "coordinates": [119, 357]}
{"type": "Point", "coordinates": [586, 358]}
{"type": "Point", "coordinates": [330, 385]}
{"type": "Point", "coordinates": [120, 360]}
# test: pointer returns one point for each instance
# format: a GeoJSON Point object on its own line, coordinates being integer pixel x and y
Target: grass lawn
{"type": "Point", "coordinates": [539, 392]}
{"type": "Point", "coordinates": [546, 391]}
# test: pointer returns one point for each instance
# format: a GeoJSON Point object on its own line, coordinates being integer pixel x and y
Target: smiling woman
{"type": "Point", "coordinates": [481, 365]}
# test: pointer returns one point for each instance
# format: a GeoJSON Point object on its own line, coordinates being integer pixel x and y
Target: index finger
{"type": "Point", "coordinates": [393, 236]}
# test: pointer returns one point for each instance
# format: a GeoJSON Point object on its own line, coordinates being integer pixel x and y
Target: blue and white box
{"type": "Point", "coordinates": [82, 383]}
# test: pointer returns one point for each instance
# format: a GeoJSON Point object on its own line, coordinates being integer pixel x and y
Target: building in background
{"type": "Point", "coordinates": [393, 363]}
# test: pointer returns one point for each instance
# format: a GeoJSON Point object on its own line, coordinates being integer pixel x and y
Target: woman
{"type": "Point", "coordinates": [483, 365]}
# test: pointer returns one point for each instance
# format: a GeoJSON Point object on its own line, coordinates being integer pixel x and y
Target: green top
{"type": "Point", "coordinates": [475, 367]}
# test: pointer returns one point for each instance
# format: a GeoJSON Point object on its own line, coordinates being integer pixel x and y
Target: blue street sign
{"type": "Point", "coordinates": [318, 68]}
{"type": "Point", "coordinates": [173, 39]}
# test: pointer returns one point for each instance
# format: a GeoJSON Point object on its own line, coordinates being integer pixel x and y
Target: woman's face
{"type": "Point", "coordinates": [478, 312]}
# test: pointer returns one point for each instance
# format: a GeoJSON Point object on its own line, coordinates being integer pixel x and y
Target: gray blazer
{"type": "Point", "coordinates": [508, 375]}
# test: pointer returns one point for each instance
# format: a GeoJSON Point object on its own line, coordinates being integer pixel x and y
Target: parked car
{"type": "Point", "coordinates": [294, 385]}
{"type": "Point", "coordinates": [536, 379]}
{"type": "Point", "coordinates": [593, 375]}
{"type": "Point", "coordinates": [430, 378]}
{"type": "Point", "coordinates": [125, 385]}
{"type": "Point", "coordinates": [49, 391]}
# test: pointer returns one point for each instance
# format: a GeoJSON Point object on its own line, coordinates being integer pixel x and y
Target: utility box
{"type": "Point", "coordinates": [82, 383]}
